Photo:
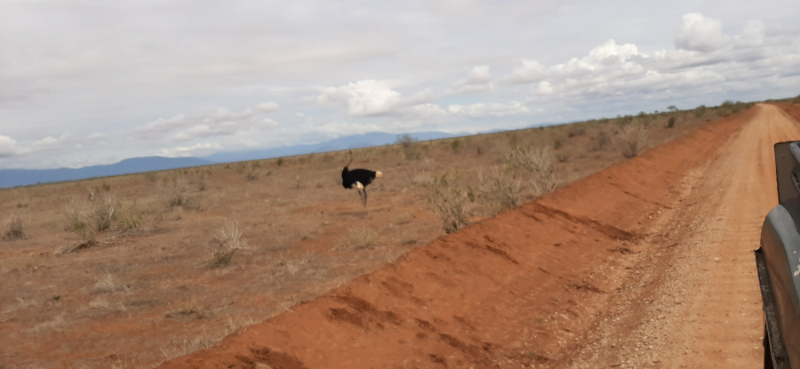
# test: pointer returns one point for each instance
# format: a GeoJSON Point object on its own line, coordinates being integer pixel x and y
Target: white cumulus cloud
{"type": "Point", "coordinates": [483, 110]}
{"type": "Point", "coordinates": [479, 80]}
{"type": "Point", "coordinates": [376, 98]}
{"type": "Point", "coordinates": [367, 97]}
{"type": "Point", "coordinates": [8, 147]}
{"type": "Point", "coordinates": [700, 33]}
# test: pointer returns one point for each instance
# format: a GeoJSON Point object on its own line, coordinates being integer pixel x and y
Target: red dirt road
{"type": "Point", "coordinates": [646, 264]}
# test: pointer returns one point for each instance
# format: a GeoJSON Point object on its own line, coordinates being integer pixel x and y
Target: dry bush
{"type": "Point", "coordinates": [671, 122]}
{"type": "Point", "coordinates": [357, 239]}
{"type": "Point", "coordinates": [700, 111]}
{"type": "Point", "coordinates": [600, 142]}
{"type": "Point", "coordinates": [14, 228]}
{"type": "Point", "coordinates": [230, 241]}
{"type": "Point", "coordinates": [449, 202]}
{"type": "Point", "coordinates": [538, 165]}
{"type": "Point", "coordinates": [499, 189]}
{"type": "Point", "coordinates": [537, 161]}
{"type": "Point", "coordinates": [632, 140]}
{"type": "Point", "coordinates": [455, 145]}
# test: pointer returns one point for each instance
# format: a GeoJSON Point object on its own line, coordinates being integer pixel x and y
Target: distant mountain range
{"type": "Point", "coordinates": [23, 177]}
{"type": "Point", "coordinates": [342, 143]}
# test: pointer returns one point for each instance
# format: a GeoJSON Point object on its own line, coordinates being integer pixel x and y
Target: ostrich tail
{"type": "Point", "coordinates": [378, 174]}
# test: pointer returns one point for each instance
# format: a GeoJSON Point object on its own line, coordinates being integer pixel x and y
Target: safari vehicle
{"type": "Point", "coordinates": [778, 263]}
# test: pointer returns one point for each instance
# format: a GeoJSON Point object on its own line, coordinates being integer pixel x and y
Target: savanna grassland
{"type": "Point", "coordinates": [133, 270]}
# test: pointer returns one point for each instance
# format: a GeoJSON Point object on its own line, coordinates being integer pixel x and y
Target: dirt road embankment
{"type": "Point", "coordinates": [651, 250]}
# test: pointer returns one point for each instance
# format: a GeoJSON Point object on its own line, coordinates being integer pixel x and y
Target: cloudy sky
{"type": "Point", "coordinates": [94, 82]}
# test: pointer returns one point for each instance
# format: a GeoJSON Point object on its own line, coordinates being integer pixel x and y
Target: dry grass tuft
{"type": "Point", "coordinates": [186, 346]}
{"type": "Point", "coordinates": [128, 219]}
{"type": "Point", "coordinates": [104, 212]}
{"type": "Point", "coordinates": [51, 325]}
{"type": "Point", "coordinates": [76, 222]}
{"type": "Point", "coordinates": [109, 284]}
{"type": "Point", "coordinates": [104, 304]}
{"type": "Point", "coordinates": [450, 203]}
{"type": "Point", "coordinates": [545, 184]}
{"type": "Point", "coordinates": [101, 213]}
{"type": "Point", "coordinates": [175, 194]}
{"type": "Point", "coordinates": [357, 239]}
{"type": "Point", "coordinates": [14, 228]}
{"type": "Point", "coordinates": [230, 241]}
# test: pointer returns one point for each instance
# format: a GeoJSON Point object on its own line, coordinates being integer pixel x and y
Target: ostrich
{"type": "Point", "coordinates": [358, 179]}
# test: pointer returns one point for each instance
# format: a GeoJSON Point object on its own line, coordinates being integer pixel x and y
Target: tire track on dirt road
{"type": "Point", "coordinates": [698, 305]}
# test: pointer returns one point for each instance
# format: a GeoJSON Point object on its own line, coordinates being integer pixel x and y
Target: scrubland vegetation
{"type": "Point", "coordinates": [188, 252]}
